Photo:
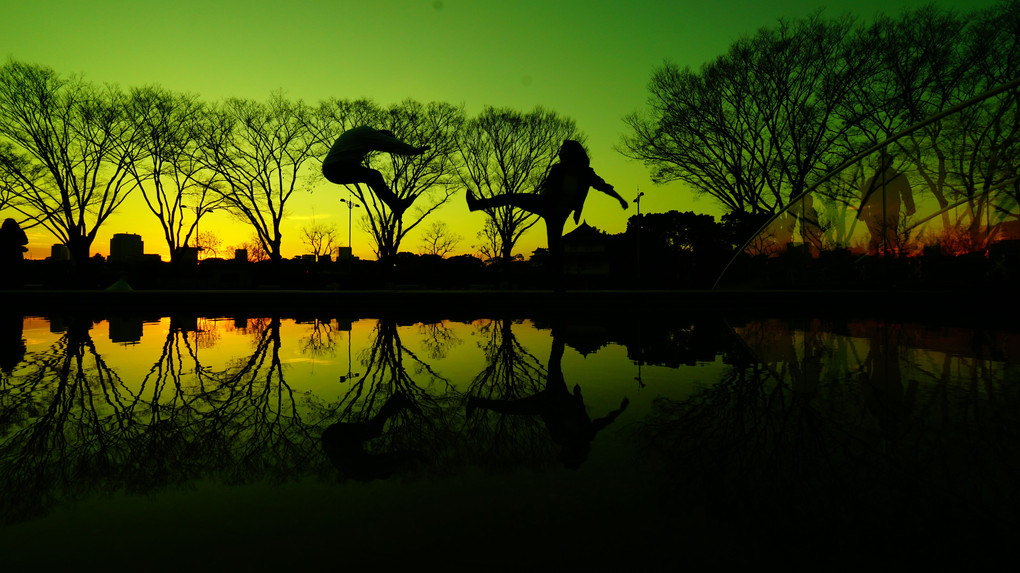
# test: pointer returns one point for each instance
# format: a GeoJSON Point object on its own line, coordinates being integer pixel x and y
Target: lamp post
{"type": "Point", "coordinates": [350, 209]}
{"type": "Point", "coordinates": [637, 201]}
{"type": "Point", "coordinates": [199, 211]}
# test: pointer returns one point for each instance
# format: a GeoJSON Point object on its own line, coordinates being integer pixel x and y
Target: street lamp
{"type": "Point", "coordinates": [637, 201]}
{"type": "Point", "coordinates": [199, 211]}
{"type": "Point", "coordinates": [350, 209]}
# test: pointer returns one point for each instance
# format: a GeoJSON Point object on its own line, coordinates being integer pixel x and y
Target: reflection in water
{"type": "Point", "coordinates": [563, 413]}
{"type": "Point", "coordinates": [834, 429]}
{"type": "Point", "coordinates": [511, 372]}
{"type": "Point", "coordinates": [815, 425]}
{"type": "Point", "coordinates": [12, 342]}
{"type": "Point", "coordinates": [73, 427]}
{"type": "Point", "coordinates": [344, 443]}
{"type": "Point", "coordinates": [416, 403]}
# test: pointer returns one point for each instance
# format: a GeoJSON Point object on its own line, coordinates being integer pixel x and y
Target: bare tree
{"type": "Point", "coordinates": [65, 150]}
{"type": "Point", "coordinates": [8, 181]}
{"type": "Point", "coordinates": [431, 178]}
{"type": "Point", "coordinates": [170, 174]}
{"type": "Point", "coordinates": [320, 238]}
{"type": "Point", "coordinates": [254, 250]}
{"type": "Point", "coordinates": [932, 61]}
{"type": "Point", "coordinates": [490, 246]}
{"type": "Point", "coordinates": [439, 240]}
{"type": "Point", "coordinates": [507, 151]}
{"type": "Point", "coordinates": [259, 151]}
{"type": "Point", "coordinates": [756, 127]}
{"type": "Point", "coordinates": [208, 244]}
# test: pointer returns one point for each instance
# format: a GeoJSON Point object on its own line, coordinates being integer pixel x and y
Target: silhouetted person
{"type": "Point", "coordinates": [881, 196]}
{"type": "Point", "coordinates": [12, 253]}
{"type": "Point", "coordinates": [563, 412]}
{"type": "Point", "coordinates": [810, 227]}
{"type": "Point", "coordinates": [563, 191]}
{"type": "Point", "coordinates": [344, 164]}
{"type": "Point", "coordinates": [783, 227]}
{"type": "Point", "coordinates": [344, 444]}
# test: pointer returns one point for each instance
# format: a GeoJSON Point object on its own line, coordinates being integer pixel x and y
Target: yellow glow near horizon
{"type": "Point", "coordinates": [590, 61]}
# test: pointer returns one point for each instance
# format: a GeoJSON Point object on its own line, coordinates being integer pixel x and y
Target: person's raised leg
{"type": "Point", "coordinates": [375, 180]}
{"type": "Point", "coordinates": [348, 174]}
{"type": "Point", "coordinates": [527, 201]}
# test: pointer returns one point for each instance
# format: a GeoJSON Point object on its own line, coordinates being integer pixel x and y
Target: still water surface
{"type": "Point", "coordinates": [504, 443]}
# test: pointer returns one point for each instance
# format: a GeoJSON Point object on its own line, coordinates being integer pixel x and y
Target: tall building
{"type": "Point", "coordinates": [60, 253]}
{"type": "Point", "coordinates": [126, 247]}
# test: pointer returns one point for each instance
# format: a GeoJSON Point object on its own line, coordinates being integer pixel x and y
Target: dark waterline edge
{"type": "Point", "coordinates": [976, 308]}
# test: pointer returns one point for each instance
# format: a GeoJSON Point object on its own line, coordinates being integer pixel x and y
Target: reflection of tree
{"type": "Point", "coordinates": [423, 424]}
{"type": "Point", "coordinates": [512, 373]}
{"type": "Point", "coordinates": [827, 434]}
{"type": "Point", "coordinates": [561, 411]}
{"type": "Point", "coordinates": [69, 433]}
{"type": "Point", "coordinates": [257, 415]}
{"type": "Point", "coordinates": [206, 333]}
{"type": "Point", "coordinates": [319, 341]}
{"type": "Point", "coordinates": [71, 427]}
{"type": "Point", "coordinates": [438, 338]}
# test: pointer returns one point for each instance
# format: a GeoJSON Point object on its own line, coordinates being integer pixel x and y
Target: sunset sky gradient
{"type": "Point", "coordinates": [590, 60]}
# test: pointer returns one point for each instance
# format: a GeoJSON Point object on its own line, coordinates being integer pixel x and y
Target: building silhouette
{"type": "Point", "coordinates": [126, 248]}
{"type": "Point", "coordinates": [60, 252]}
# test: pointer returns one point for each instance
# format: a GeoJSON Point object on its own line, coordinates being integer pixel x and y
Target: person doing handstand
{"type": "Point", "coordinates": [563, 191]}
{"type": "Point", "coordinates": [344, 164]}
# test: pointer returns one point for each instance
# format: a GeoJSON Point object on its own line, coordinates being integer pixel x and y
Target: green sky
{"type": "Point", "coordinates": [586, 59]}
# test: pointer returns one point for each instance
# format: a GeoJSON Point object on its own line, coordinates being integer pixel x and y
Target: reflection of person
{"type": "Point", "coordinates": [563, 412]}
{"type": "Point", "coordinates": [563, 191]}
{"type": "Point", "coordinates": [881, 196]}
{"type": "Point", "coordinates": [344, 444]}
{"type": "Point", "coordinates": [881, 383]}
{"type": "Point", "coordinates": [344, 164]}
{"type": "Point", "coordinates": [12, 253]}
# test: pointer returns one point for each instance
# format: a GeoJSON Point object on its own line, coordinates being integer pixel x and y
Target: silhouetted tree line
{"type": "Point", "coordinates": [658, 250]}
{"type": "Point", "coordinates": [760, 124]}
{"type": "Point", "coordinates": [71, 152]}
{"type": "Point", "coordinates": [754, 129]}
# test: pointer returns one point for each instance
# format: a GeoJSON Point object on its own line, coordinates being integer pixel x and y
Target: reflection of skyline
{"type": "Point", "coordinates": [84, 416]}
{"type": "Point", "coordinates": [236, 390]}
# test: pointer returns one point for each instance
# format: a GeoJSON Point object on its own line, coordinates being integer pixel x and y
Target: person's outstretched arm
{"type": "Point", "coordinates": [600, 184]}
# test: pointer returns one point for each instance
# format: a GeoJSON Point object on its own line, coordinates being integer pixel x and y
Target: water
{"type": "Point", "coordinates": [497, 443]}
